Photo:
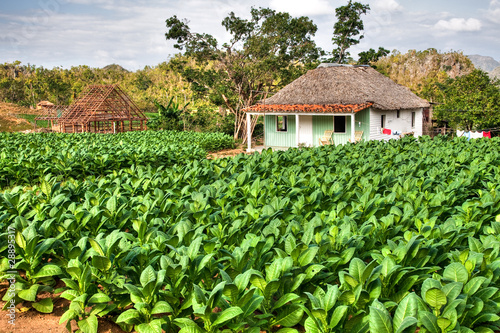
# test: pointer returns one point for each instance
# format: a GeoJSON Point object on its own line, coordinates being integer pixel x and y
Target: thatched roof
{"type": "Point", "coordinates": [345, 88]}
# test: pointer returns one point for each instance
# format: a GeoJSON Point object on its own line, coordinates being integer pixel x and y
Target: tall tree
{"type": "Point", "coordinates": [265, 52]}
{"type": "Point", "coordinates": [347, 31]}
{"type": "Point", "coordinates": [471, 102]}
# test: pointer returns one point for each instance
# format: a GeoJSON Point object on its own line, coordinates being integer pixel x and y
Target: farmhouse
{"type": "Point", "coordinates": [336, 104]}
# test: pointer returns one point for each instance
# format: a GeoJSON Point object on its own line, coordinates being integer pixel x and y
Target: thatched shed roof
{"type": "Point", "coordinates": [346, 88]}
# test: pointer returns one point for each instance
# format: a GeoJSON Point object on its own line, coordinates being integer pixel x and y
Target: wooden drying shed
{"type": "Point", "coordinates": [102, 109]}
{"type": "Point", "coordinates": [52, 113]}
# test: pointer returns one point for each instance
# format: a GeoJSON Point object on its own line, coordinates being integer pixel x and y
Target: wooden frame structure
{"type": "Point", "coordinates": [102, 109]}
{"type": "Point", "coordinates": [52, 114]}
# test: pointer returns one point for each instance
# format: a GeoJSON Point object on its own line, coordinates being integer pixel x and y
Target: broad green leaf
{"type": "Point", "coordinates": [408, 307]}
{"type": "Point", "coordinates": [45, 305]}
{"type": "Point", "coordinates": [258, 282]}
{"type": "Point", "coordinates": [226, 315]}
{"type": "Point", "coordinates": [194, 248]}
{"type": "Point", "coordinates": [88, 325]}
{"type": "Point", "coordinates": [99, 298]}
{"type": "Point", "coordinates": [409, 325]}
{"type": "Point", "coordinates": [96, 246]}
{"type": "Point", "coordinates": [128, 315]}
{"type": "Point", "coordinates": [443, 323]}
{"type": "Point", "coordinates": [161, 307]}
{"type": "Point", "coordinates": [48, 270]}
{"type": "Point", "coordinates": [429, 321]}
{"type": "Point", "coordinates": [151, 327]}
{"type": "Point", "coordinates": [338, 314]}
{"type": "Point", "coordinates": [308, 256]}
{"type": "Point", "coordinates": [310, 326]}
{"type": "Point", "coordinates": [29, 294]}
{"type": "Point", "coordinates": [287, 330]}
{"type": "Point", "coordinates": [452, 290]}
{"type": "Point", "coordinates": [473, 285]}
{"type": "Point", "coordinates": [356, 269]}
{"type": "Point", "coordinates": [380, 321]}
{"type": "Point", "coordinates": [456, 272]}
{"type": "Point", "coordinates": [435, 298]}
{"type": "Point", "coordinates": [290, 297]}
{"type": "Point", "coordinates": [148, 275]}
{"type": "Point", "coordinates": [20, 241]}
{"type": "Point", "coordinates": [101, 262]}
{"type": "Point", "coordinates": [289, 316]}
{"type": "Point", "coordinates": [70, 294]}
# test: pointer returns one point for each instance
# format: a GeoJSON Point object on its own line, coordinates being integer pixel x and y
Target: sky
{"type": "Point", "coordinates": [131, 33]}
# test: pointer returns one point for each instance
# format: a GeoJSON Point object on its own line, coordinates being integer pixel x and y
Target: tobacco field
{"type": "Point", "coordinates": [402, 236]}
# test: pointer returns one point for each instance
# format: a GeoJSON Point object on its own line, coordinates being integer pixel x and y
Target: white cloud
{"type": "Point", "coordinates": [303, 8]}
{"type": "Point", "coordinates": [386, 5]}
{"type": "Point", "coordinates": [493, 12]}
{"type": "Point", "coordinates": [458, 24]}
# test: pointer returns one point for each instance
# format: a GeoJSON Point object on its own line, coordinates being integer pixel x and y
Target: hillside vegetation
{"type": "Point", "coordinates": [420, 70]}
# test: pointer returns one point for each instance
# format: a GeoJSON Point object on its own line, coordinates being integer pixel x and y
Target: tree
{"type": "Point", "coordinates": [347, 29]}
{"type": "Point", "coordinates": [471, 102]}
{"type": "Point", "coordinates": [265, 52]}
{"type": "Point", "coordinates": [371, 56]}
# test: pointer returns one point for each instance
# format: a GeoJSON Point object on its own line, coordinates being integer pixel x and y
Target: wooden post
{"type": "Point", "coordinates": [249, 133]}
{"type": "Point", "coordinates": [297, 129]}
{"type": "Point", "coordinates": [353, 136]}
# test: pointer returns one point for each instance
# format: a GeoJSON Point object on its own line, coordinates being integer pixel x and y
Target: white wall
{"type": "Point", "coordinates": [392, 122]}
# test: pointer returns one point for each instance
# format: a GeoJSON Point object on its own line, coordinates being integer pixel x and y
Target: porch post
{"type": "Point", "coordinates": [353, 137]}
{"type": "Point", "coordinates": [249, 133]}
{"type": "Point", "coordinates": [297, 127]}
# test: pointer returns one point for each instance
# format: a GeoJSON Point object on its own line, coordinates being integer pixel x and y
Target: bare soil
{"type": "Point", "coordinates": [9, 122]}
{"type": "Point", "coordinates": [28, 320]}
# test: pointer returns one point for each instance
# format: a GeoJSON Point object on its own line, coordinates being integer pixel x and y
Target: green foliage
{"type": "Point", "coordinates": [470, 102]}
{"type": "Point", "coordinates": [168, 117]}
{"type": "Point", "coordinates": [264, 53]}
{"type": "Point", "coordinates": [371, 56]}
{"type": "Point", "coordinates": [347, 29]}
{"type": "Point", "coordinates": [28, 158]}
{"type": "Point", "coordinates": [391, 236]}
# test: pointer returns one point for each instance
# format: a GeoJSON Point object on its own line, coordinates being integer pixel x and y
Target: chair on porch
{"type": "Point", "coordinates": [358, 135]}
{"type": "Point", "coordinates": [326, 139]}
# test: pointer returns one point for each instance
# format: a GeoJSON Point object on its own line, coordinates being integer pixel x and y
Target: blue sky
{"type": "Point", "coordinates": [96, 33]}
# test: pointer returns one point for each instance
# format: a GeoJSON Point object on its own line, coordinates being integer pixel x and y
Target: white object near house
{"type": "Point", "coordinates": [346, 100]}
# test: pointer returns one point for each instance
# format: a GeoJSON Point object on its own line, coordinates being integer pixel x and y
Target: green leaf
{"type": "Point", "coordinates": [443, 323]}
{"type": "Point", "coordinates": [161, 307]}
{"type": "Point", "coordinates": [310, 326]}
{"type": "Point", "coordinates": [88, 325]}
{"type": "Point", "coordinates": [356, 269]}
{"type": "Point", "coordinates": [44, 306]}
{"type": "Point", "coordinates": [99, 298]}
{"type": "Point", "coordinates": [456, 272]}
{"type": "Point", "coordinates": [287, 330]}
{"type": "Point", "coordinates": [20, 241]}
{"type": "Point", "coordinates": [473, 285]}
{"type": "Point", "coordinates": [409, 324]}
{"type": "Point", "coordinates": [258, 282]}
{"type": "Point", "coordinates": [70, 294]}
{"type": "Point", "coordinates": [48, 270]}
{"type": "Point", "coordinates": [128, 315]}
{"type": "Point", "coordinates": [227, 315]}
{"type": "Point", "coordinates": [148, 275]}
{"type": "Point", "coordinates": [29, 294]}
{"type": "Point", "coordinates": [290, 297]}
{"type": "Point", "coordinates": [429, 321]}
{"type": "Point", "coordinates": [194, 248]}
{"type": "Point", "coordinates": [289, 316]}
{"type": "Point", "coordinates": [380, 321]}
{"type": "Point", "coordinates": [435, 298]}
{"type": "Point", "coordinates": [308, 255]}
{"type": "Point", "coordinates": [101, 262]}
{"type": "Point", "coordinates": [151, 327]}
{"type": "Point", "coordinates": [96, 246]}
{"type": "Point", "coordinates": [338, 315]}
{"type": "Point", "coordinates": [408, 307]}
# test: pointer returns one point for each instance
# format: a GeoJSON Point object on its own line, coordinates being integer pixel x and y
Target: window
{"type": "Point", "coordinates": [413, 120]}
{"type": "Point", "coordinates": [382, 121]}
{"type": "Point", "coordinates": [339, 124]}
{"type": "Point", "coordinates": [281, 123]}
{"type": "Point", "coordinates": [397, 114]}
